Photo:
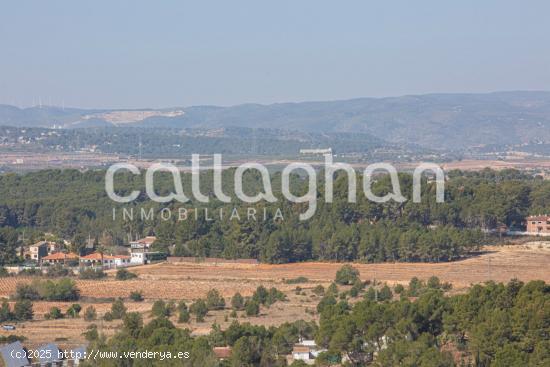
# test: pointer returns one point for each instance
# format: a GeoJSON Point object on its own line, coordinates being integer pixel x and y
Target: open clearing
{"type": "Point", "coordinates": [187, 281]}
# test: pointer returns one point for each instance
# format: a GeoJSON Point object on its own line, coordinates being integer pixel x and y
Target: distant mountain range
{"type": "Point", "coordinates": [434, 121]}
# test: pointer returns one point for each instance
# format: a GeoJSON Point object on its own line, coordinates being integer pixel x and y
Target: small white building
{"type": "Point", "coordinates": [143, 243]}
{"type": "Point", "coordinates": [144, 257]}
{"type": "Point", "coordinates": [306, 351]}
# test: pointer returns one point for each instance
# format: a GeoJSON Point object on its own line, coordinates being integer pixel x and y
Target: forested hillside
{"type": "Point", "coordinates": [171, 142]}
{"type": "Point", "coordinates": [74, 205]}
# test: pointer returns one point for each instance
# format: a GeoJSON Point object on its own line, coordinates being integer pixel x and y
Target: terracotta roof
{"type": "Point", "coordinates": [222, 352]}
{"type": "Point", "coordinates": [301, 349]}
{"type": "Point", "coordinates": [97, 256]}
{"type": "Point", "coordinates": [147, 240]}
{"type": "Point", "coordinates": [61, 256]}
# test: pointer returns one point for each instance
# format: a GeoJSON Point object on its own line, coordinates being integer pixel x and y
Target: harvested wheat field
{"type": "Point", "coordinates": [500, 263]}
{"type": "Point", "coordinates": [188, 281]}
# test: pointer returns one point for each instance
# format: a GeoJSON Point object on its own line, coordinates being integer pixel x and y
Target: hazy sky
{"type": "Point", "coordinates": [126, 54]}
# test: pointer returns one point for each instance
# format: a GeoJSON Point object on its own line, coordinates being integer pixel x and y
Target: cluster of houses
{"type": "Point", "coordinates": [48, 252]}
{"type": "Point", "coordinates": [16, 355]}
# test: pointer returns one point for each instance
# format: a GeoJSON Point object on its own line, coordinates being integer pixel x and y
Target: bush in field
{"type": "Point", "coordinates": [91, 333]}
{"type": "Point", "coordinates": [31, 272]}
{"type": "Point", "coordinates": [296, 280]}
{"type": "Point", "coordinates": [199, 309]}
{"type": "Point", "coordinates": [260, 295]}
{"type": "Point", "coordinates": [118, 310]}
{"type": "Point", "coordinates": [358, 286]}
{"type": "Point", "coordinates": [160, 309]}
{"type": "Point", "coordinates": [26, 291]}
{"type": "Point", "coordinates": [133, 323]}
{"type": "Point", "coordinates": [273, 296]}
{"type": "Point", "coordinates": [136, 296]}
{"type": "Point", "coordinates": [57, 271]}
{"type": "Point", "coordinates": [347, 275]}
{"type": "Point", "coordinates": [237, 302]}
{"type": "Point", "coordinates": [398, 289]}
{"type": "Point", "coordinates": [183, 312]}
{"type": "Point", "coordinates": [319, 290]}
{"type": "Point", "coordinates": [61, 290]}
{"type": "Point", "coordinates": [5, 311]}
{"type": "Point", "coordinates": [332, 289]}
{"type": "Point", "coordinates": [252, 307]}
{"type": "Point", "coordinates": [91, 273]}
{"type": "Point", "coordinates": [74, 310]}
{"type": "Point", "coordinates": [90, 313]}
{"type": "Point", "coordinates": [214, 301]}
{"type": "Point", "coordinates": [22, 310]}
{"type": "Point", "coordinates": [54, 314]}
{"type": "Point", "coordinates": [124, 274]}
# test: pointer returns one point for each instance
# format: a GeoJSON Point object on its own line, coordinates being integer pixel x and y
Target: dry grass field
{"type": "Point", "coordinates": [190, 281]}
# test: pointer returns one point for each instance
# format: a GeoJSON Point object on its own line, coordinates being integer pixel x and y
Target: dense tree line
{"type": "Point", "coordinates": [168, 142]}
{"type": "Point", "coordinates": [74, 205]}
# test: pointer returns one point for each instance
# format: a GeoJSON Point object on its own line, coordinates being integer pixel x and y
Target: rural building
{"type": "Point", "coordinates": [53, 247]}
{"type": "Point", "coordinates": [302, 353]}
{"type": "Point", "coordinates": [143, 243]}
{"type": "Point", "coordinates": [37, 251]}
{"type": "Point", "coordinates": [98, 259]}
{"type": "Point", "coordinates": [142, 257]}
{"type": "Point", "coordinates": [305, 351]}
{"type": "Point", "coordinates": [222, 353]}
{"type": "Point", "coordinates": [14, 355]}
{"type": "Point", "coordinates": [538, 224]}
{"type": "Point", "coordinates": [60, 258]}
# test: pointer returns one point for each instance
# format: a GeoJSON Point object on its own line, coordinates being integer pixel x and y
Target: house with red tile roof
{"type": "Point", "coordinates": [60, 258]}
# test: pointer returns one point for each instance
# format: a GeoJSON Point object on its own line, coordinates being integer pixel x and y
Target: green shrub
{"type": "Point", "coordinates": [319, 290]}
{"type": "Point", "coordinates": [200, 309]}
{"type": "Point", "coordinates": [159, 309]}
{"type": "Point", "coordinates": [54, 314]}
{"type": "Point", "coordinates": [136, 296]}
{"type": "Point", "coordinates": [61, 290]}
{"type": "Point", "coordinates": [90, 313]}
{"type": "Point", "coordinates": [74, 310]}
{"type": "Point", "coordinates": [91, 273]}
{"type": "Point", "coordinates": [57, 271]}
{"type": "Point", "coordinates": [118, 310]}
{"type": "Point", "coordinates": [214, 301]}
{"type": "Point", "coordinates": [124, 274]}
{"type": "Point", "coordinates": [297, 280]}
{"type": "Point", "coordinates": [237, 302]}
{"type": "Point", "coordinates": [22, 310]}
{"type": "Point", "coordinates": [252, 307]}
{"type": "Point", "coordinates": [347, 275]}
